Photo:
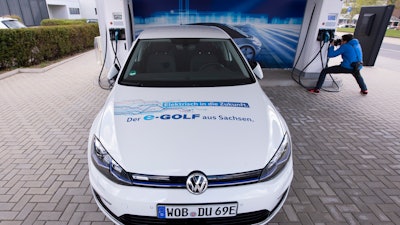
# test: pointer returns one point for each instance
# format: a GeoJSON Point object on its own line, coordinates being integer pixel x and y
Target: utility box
{"type": "Point", "coordinates": [370, 30]}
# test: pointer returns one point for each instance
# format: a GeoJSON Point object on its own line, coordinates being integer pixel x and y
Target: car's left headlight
{"type": "Point", "coordinates": [107, 165]}
{"type": "Point", "coordinates": [278, 162]}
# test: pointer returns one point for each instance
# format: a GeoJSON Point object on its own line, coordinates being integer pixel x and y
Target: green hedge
{"type": "Point", "coordinates": [32, 46]}
{"type": "Point", "coordinates": [54, 22]}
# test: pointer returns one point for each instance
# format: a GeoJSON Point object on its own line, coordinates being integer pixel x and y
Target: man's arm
{"type": "Point", "coordinates": [333, 53]}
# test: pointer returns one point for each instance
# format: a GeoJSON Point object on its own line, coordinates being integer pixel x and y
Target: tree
{"type": "Point", "coordinates": [393, 2]}
{"type": "Point", "coordinates": [357, 4]}
{"type": "Point", "coordinates": [361, 3]}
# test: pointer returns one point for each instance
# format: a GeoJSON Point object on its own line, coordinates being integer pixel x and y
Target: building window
{"type": "Point", "coordinates": [74, 11]}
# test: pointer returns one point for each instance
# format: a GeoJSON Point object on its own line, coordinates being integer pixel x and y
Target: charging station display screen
{"type": "Point", "coordinates": [332, 17]}
{"type": "Point", "coordinates": [117, 16]}
{"type": "Point", "coordinates": [331, 21]}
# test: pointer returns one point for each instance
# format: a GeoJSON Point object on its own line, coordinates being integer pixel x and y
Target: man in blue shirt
{"type": "Point", "coordinates": [351, 52]}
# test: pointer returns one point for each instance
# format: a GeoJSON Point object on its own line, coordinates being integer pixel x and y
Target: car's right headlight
{"type": "Point", "coordinates": [107, 165]}
{"type": "Point", "coordinates": [278, 162]}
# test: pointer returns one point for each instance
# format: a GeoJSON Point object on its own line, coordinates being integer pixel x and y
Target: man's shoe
{"type": "Point", "coordinates": [365, 92]}
{"type": "Point", "coordinates": [314, 90]}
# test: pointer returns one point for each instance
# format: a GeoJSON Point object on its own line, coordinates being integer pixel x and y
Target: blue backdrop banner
{"type": "Point", "coordinates": [265, 30]}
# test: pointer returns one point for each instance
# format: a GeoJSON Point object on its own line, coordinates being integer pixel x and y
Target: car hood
{"type": "Point", "coordinates": [174, 131]}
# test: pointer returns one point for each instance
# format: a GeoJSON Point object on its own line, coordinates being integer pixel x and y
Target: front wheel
{"type": "Point", "coordinates": [248, 52]}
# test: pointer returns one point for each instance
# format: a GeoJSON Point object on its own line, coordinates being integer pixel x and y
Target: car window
{"type": "Point", "coordinates": [185, 63]}
{"type": "Point", "coordinates": [13, 24]}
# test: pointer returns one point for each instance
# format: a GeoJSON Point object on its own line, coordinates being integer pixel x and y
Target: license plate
{"type": "Point", "coordinates": [196, 211]}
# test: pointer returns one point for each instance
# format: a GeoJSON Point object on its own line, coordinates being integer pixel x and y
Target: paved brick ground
{"type": "Point", "coordinates": [346, 148]}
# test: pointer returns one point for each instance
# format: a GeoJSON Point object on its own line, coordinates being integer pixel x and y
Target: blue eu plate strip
{"type": "Point", "coordinates": [161, 212]}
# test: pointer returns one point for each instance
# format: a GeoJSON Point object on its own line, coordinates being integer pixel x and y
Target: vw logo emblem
{"type": "Point", "coordinates": [197, 183]}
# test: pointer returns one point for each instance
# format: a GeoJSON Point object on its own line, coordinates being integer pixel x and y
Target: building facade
{"type": "Point", "coordinates": [72, 9]}
{"type": "Point", "coordinates": [32, 12]}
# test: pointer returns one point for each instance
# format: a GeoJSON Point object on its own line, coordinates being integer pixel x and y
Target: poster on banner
{"type": "Point", "coordinates": [266, 31]}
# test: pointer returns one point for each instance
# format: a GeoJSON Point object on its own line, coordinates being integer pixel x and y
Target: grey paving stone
{"type": "Point", "coordinates": [346, 148]}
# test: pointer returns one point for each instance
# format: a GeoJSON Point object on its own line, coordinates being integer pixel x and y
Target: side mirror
{"type": "Point", "coordinates": [113, 72]}
{"type": "Point", "coordinates": [257, 70]}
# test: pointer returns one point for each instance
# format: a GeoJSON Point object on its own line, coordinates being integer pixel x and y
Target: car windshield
{"type": "Point", "coordinates": [13, 24]}
{"type": "Point", "coordinates": [183, 62]}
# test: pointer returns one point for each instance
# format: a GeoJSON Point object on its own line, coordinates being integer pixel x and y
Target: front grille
{"type": "Point", "coordinates": [240, 219]}
{"type": "Point", "coordinates": [180, 181]}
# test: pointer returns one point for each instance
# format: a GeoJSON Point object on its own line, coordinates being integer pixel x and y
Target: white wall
{"type": "Point", "coordinates": [59, 9]}
{"type": "Point", "coordinates": [88, 9]}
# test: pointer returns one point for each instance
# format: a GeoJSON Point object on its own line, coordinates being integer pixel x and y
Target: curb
{"type": "Point", "coordinates": [39, 70]}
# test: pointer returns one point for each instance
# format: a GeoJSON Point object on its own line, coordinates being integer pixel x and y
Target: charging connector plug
{"type": "Point", "coordinates": [325, 35]}
{"type": "Point", "coordinates": [116, 35]}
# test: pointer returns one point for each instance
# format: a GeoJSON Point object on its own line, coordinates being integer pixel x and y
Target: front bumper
{"type": "Point", "coordinates": [257, 203]}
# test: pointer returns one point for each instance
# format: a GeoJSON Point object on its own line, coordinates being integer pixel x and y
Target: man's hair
{"type": "Point", "coordinates": [347, 37]}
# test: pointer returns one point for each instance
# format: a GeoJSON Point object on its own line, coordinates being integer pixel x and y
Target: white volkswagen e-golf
{"type": "Point", "coordinates": [187, 135]}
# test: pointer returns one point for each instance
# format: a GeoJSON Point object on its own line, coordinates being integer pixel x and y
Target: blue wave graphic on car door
{"type": "Point", "coordinates": [136, 107]}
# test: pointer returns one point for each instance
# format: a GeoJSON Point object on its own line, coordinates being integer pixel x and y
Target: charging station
{"type": "Point", "coordinates": [116, 24]}
{"type": "Point", "coordinates": [116, 30]}
{"type": "Point", "coordinates": [318, 29]}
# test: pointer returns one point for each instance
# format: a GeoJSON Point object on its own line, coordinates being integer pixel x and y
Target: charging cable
{"type": "Point", "coordinates": [333, 80]}
{"type": "Point", "coordinates": [302, 48]}
{"type": "Point", "coordinates": [325, 39]}
{"type": "Point", "coordinates": [115, 50]}
{"type": "Point", "coordinates": [102, 67]}
{"type": "Point", "coordinates": [319, 53]}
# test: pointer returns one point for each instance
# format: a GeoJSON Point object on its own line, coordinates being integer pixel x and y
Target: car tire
{"type": "Point", "coordinates": [248, 52]}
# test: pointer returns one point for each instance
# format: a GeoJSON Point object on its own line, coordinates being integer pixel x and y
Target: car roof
{"type": "Point", "coordinates": [183, 31]}
{"type": "Point", "coordinates": [6, 18]}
